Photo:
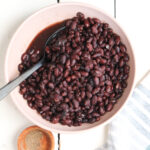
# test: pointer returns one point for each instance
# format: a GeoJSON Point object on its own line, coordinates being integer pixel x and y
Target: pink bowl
{"type": "Point", "coordinates": [30, 28]}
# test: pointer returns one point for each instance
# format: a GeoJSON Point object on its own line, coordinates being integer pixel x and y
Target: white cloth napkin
{"type": "Point", "coordinates": [130, 129]}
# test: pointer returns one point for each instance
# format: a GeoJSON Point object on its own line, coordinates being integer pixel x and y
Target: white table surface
{"type": "Point", "coordinates": [133, 16]}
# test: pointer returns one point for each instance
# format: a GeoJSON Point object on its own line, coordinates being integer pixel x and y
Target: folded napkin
{"type": "Point", "coordinates": [130, 129]}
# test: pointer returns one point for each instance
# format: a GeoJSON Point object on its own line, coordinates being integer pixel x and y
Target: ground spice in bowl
{"type": "Point", "coordinates": [35, 138]}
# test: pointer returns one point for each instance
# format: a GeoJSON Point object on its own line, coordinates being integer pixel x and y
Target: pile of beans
{"type": "Point", "coordinates": [84, 74]}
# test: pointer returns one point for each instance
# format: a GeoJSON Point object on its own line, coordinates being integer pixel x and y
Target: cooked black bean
{"type": "Point", "coordinates": [86, 23]}
{"type": "Point", "coordinates": [84, 74]}
{"type": "Point", "coordinates": [102, 111]}
{"type": "Point", "coordinates": [109, 107]}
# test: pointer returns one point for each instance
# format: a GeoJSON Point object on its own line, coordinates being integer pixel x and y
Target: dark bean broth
{"type": "Point", "coordinates": [40, 39]}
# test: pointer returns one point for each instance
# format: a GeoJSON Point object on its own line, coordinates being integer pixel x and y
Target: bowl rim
{"type": "Point", "coordinates": [53, 6]}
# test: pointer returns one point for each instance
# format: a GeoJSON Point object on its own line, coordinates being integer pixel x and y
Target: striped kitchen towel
{"type": "Point", "coordinates": [130, 129]}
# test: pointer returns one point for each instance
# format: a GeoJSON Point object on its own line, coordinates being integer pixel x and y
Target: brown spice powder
{"type": "Point", "coordinates": [33, 139]}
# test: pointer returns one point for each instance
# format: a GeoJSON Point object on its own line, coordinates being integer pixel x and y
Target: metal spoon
{"type": "Point", "coordinates": [5, 90]}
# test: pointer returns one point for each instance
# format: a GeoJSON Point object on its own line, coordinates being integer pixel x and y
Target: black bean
{"type": "Point", "coordinates": [103, 61]}
{"type": "Point", "coordinates": [94, 29]}
{"type": "Point", "coordinates": [55, 120]}
{"type": "Point", "coordinates": [87, 103]}
{"type": "Point", "coordinates": [66, 73]}
{"type": "Point", "coordinates": [89, 47]}
{"type": "Point", "coordinates": [94, 99]}
{"type": "Point", "coordinates": [63, 59]}
{"type": "Point", "coordinates": [86, 23]}
{"type": "Point", "coordinates": [111, 42]}
{"type": "Point", "coordinates": [73, 61]}
{"type": "Point", "coordinates": [80, 15]}
{"type": "Point", "coordinates": [45, 108]}
{"type": "Point", "coordinates": [109, 107]}
{"type": "Point", "coordinates": [51, 85]}
{"type": "Point", "coordinates": [122, 48]}
{"type": "Point", "coordinates": [89, 95]}
{"type": "Point", "coordinates": [109, 89]}
{"type": "Point", "coordinates": [73, 25]}
{"type": "Point", "coordinates": [121, 62]}
{"type": "Point", "coordinates": [95, 114]}
{"type": "Point", "coordinates": [85, 74]}
{"type": "Point", "coordinates": [25, 57]}
{"type": "Point", "coordinates": [102, 110]}
{"type": "Point", "coordinates": [97, 73]}
{"type": "Point", "coordinates": [75, 103]}
{"type": "Point", "coordinates": [96, 80]}
{"type": "Point", "coordinates": [117, 40]}
{"type": "Point", "coordinates": [96, 90]}
{"type": "Point", "coordinates": [92, 120]}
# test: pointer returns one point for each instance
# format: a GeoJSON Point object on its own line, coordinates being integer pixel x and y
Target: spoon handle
{"type": "Point", "coordinates": [5, 90]}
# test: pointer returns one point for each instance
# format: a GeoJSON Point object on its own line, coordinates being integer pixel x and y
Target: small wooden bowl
{"type": "Point", "coordinates": [35, 138]}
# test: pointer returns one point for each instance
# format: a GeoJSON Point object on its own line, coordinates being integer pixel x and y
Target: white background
{"type": "Point", "coordinates": [133, 16]}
